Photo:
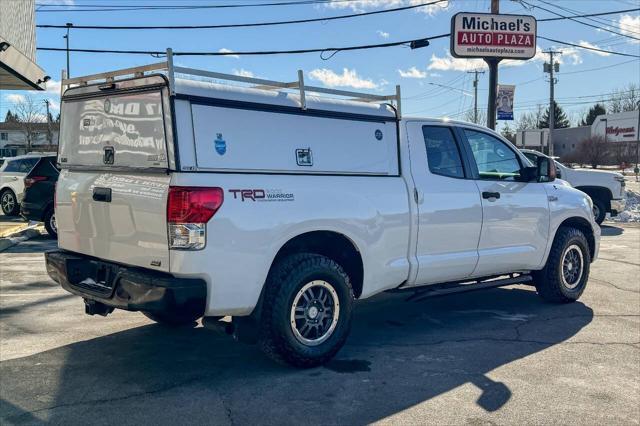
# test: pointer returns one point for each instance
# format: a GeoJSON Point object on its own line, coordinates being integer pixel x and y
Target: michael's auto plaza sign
{"type": "Point", "coordinates": [481, 35]}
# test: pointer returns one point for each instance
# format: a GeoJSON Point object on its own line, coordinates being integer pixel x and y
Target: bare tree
{"type": "Point", "coordinates": [469, 116]}
{"type": "Point", "coordinates": [29, 113]}
{"type": "Point", "coordinates": [592, 151]}
{"type": "Point", "coordinates": [530, 120]}
{"type": "Point", "coordinates": [625, 99]}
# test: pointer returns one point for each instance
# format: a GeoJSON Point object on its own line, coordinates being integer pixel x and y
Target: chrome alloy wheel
{"type": "Point", "coordinates": [8, 201]}
{"type": "Point", "coordinates": [572, 266]}
{"type": "Point", "coordinates": [52, 223]}
{"type": "Point", "coordinates": [315, 312]}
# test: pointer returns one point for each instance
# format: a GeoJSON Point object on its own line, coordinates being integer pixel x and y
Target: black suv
{"type": "Point", "coordinates": [39, 192]}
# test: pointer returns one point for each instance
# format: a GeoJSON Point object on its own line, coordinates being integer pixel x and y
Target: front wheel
{"type": "Point", "coordinates": [599, 210]}
{"type": "Point", "coordinates": [307, 310]}
{"type": "Point", "coordinates": [9, 203]}
{"type": "Point", "coordinates": [565, 276]}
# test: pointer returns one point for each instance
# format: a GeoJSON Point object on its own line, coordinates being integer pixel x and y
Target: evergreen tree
{"type": "Point", "coordinates": [594, 111]}
{"type": "Point", "coordinates": [561, 120]}
{"type": "Point", "coordinates": [10, 117]}
{"type": "Point", "coordinates": [508, 133]}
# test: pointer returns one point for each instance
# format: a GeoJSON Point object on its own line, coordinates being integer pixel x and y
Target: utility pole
{"type": "Point", "coordinates": [69, 25]}
{"type": "Point", "coordinates": [493, 78]}
{"type": "Point", "coordinates": [49, 135]}
{"type": "Point", "coordinates": [475, 94]}
{"type": "Point", "coordinates": [551, 67]}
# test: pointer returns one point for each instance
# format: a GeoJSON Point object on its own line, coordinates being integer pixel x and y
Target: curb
{"type": "Point", "coordinates": [18, 237]}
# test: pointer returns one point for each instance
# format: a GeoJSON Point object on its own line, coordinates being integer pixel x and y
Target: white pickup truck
{"type": "Point", "coordinates": [185, 199]}
{"type": "Point", "coordinates": [606, 189]}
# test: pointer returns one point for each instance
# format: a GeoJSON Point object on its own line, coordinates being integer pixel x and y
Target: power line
{"type": "Point", "coordinates": [118, 8]}
{"type": "Point", "coordinates": [243, 25]}
{"type": "Point", "coordinates": [247, 53]}
{"type": "Point", "coordinates": [587, 15]}
{"type": "Point", "coordinates": [612, 52]}
{"type": "Point", "coordinates": [572, 18]}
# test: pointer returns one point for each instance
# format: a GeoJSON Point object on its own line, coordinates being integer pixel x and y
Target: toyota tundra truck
{"type": "Point", "coordinates": [277, 206]}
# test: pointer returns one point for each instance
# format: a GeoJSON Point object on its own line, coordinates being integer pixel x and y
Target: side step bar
{"type": "Point", "coordinates": [436, 290]}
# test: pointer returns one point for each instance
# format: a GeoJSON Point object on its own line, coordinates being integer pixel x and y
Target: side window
{"type": "Point", "coordinates": [443, 155]}
{"type": "Point", "coordinates": [13, 166]}
{"type": "Point", "coordinates": [495, 160]}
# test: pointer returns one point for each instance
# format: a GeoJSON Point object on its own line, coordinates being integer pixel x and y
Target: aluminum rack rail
{"type": "Point", "coordinates": [257, 83]}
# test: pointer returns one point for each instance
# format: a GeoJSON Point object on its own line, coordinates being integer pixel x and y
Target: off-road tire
{"type": "Point", "coordinates": [549, 282]}
{"type": "Point", "coordinates": [16, 206]}
{"type": "Point", "coordinates": [287, 277]}
{"type": "Point", "coordinates": [601, 210]}
{"type": "Point", "coordinates": [53, 233]}
{"type": "Point", "coordinates": [172, 319]}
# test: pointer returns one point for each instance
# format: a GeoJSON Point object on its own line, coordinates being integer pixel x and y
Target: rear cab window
{"type": "Point", "coordinates": [494, 158]}
{"type": "Point", "coordinates": [120, 129]}
{"type": "Point", "coordinates": [46, 167]}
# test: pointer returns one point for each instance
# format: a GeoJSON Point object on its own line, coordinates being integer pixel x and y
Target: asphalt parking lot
{"type": "Point", "coordinates": [495, 357]}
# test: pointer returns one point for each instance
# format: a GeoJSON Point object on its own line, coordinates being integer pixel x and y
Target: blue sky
{"type": "Point", "coordinates": [376, 70]}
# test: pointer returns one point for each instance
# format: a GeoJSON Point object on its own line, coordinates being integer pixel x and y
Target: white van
{"type": "Point", "coordinates": [186, 199]}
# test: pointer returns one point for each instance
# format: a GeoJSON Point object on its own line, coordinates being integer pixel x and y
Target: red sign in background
{"type": "Point", "coordinates": [481, 38]}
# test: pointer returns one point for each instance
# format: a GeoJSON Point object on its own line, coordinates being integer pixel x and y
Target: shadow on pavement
{"type": "Point", "coordinates": [611, 231]}
{"type": "Point", "coordinates": [399, 354]}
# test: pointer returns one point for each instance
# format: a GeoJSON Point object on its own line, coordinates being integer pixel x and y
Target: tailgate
{"type": "Point", "coordinates": [111, 195]}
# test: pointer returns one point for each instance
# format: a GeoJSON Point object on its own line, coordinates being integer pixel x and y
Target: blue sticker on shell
{"type": "Point", "coordinates": [379, 134]}
{"type": "Point", "coordinates": [220, 144]}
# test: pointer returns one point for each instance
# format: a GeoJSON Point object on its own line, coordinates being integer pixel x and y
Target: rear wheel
{"type": "Point", "coordinates": [565, 275]}
{"type": "Point", "coordinates": [307, 310]}
{"type": "Point", "coordinates": [9, 203]}
{"type": "Point", "coordinates": [50, 223]}
{"type": "Point", "coordinates": [172, 319]}
{"type": "Point", "coordinates": [599, 210]}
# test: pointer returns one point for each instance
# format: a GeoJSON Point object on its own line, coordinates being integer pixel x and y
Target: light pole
{"type": "Point", "coordinates": [69, 25]}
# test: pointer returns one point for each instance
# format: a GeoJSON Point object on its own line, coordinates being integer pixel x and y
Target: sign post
{"type": "Point", "coordinates": [493, 37]}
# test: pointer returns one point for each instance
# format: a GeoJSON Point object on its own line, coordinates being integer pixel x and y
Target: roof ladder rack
{"type": "Point", "coordinates": [257, 83]}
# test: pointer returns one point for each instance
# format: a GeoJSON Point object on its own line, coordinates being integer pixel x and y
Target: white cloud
{"type": "Point", "coordinates": [630, 25]}
{"type": "Point", "coordinates": [593, 46]}
{"type": "Point", "coordinates": [54, 105]}
{"type": "Point", "coordinates": [365, 5]}
{"type": "Point", "coordinates": [15, 98]}
{"type": "Point", "coordinates": [348, 78]}
{"type": "Point", "coordinates": [56, 2]}
{"type": "Point", "coordinates": [53, 87]}
{"type": "Point", "coordinates": [449, 63]}
{"type": "Point", "coordinates": [225, 50]}
{"type": "Point", "coordinates": [382, 34]}
{"type": "Point", "coordinates": [243, 73]}
{"type": "Point", "coordinates": [412, 72]}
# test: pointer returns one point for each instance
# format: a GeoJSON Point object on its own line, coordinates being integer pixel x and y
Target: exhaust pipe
{"type": "Point", "coordinates": [91, 307]}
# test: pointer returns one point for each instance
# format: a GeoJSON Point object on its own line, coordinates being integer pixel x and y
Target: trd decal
{"type": "Point", "coordinates": [261, 195]}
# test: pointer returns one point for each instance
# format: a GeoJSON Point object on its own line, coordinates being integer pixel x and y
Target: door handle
{"type": "Point", "coordinates": [487, 195]}
{"type": "Point", "coordinates": [102, 194]}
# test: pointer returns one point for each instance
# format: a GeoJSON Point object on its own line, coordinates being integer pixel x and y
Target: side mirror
{"type": "Point", "coordinates": [546, 169]}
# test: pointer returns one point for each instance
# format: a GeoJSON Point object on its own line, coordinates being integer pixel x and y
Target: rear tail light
{"type": "Point", "coordinates": [188, 211]}
{"type": "Point", "coordinates": [28, 182]}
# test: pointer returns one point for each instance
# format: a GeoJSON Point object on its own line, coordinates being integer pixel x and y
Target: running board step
{"type": "Point", "coordinates": [464, 286]}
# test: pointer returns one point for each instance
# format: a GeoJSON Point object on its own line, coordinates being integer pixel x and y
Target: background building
{"type": "Point", "coordinates": [620, 143]}
{"type": "Point", "coordinates": [13, 138]}
{"type": "Point", "coordinates": [18, 68]}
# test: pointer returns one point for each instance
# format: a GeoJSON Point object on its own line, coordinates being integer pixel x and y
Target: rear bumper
{"type": "Point", "coordinates": [32, 211]}
{"type": "Point", "coordinates": [617, 206]}
{"type": "Point", "coordinates": [132, 289]}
